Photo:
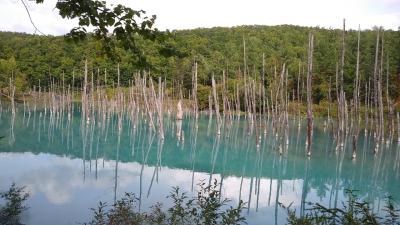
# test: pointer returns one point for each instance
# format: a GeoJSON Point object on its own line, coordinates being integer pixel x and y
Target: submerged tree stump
{"type": "Point", "coordinates": [179, 112]}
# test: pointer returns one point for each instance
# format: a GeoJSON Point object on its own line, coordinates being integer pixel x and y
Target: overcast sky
{"type": "Point", "coordinates": [186, 14]}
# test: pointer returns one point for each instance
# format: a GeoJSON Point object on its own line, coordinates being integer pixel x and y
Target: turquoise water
{"type": "Point", "coordinates": [68, 167]}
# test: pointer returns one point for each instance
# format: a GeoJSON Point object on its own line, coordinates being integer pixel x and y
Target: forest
{"type": "Point", "coordinates": [34, 60]}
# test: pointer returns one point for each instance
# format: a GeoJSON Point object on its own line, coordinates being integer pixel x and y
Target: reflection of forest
{"type": "Point", "coordinates": [234, 153]}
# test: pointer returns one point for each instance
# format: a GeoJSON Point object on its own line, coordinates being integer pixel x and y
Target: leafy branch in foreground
{"type": "Point", "coordinates": [121, 22]}
{"type": "Point", "coordinates": [14, 198]}
{"type": "Point", "coordinates": [353, 212]}
{"type": "Point", "coordinates": [205, 208]}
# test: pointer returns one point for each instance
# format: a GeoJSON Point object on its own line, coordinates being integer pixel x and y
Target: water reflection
{"type": "Point", "coordinates": [69, 163]}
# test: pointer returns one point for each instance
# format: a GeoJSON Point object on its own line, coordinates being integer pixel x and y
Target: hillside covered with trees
{"type": "Point", "coordinates": [34, 58]}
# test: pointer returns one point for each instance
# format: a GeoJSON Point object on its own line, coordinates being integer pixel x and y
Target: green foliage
{"type": "Point", "coordinates": [205, 208]}
{"type": "Point", "coordinates": [15, 199]}
{"type": "Point", "coordinates": [123, 211]}
{"type": "Point", "coordinates": [353, 212]}
{"type": "Point", "coordinates": [7, 67]}
{"type": "Point", "coordinates": [203, 92]}
{"type": "Point", "coordinates": [215, 49]}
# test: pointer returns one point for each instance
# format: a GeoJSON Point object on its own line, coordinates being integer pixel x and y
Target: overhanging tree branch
{"type": "Point", "coordinates": [30, 18]}
{"type": "Point", "coordinates": [119, 25]}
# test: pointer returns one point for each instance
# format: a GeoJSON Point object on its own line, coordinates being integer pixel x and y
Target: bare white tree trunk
{"type": "Point", "coordinates": [375, 97]}
{"type": "Point", "coordinates": [214, 87]}
{"type": "Point", "coordinates": [380, 98]}
{"type": "Point", "coordinates": [398, 127]}
{"type": "Point", "coordinates": [342, 98]}
{"type": "Point", "coordinates": [355, 97]}
{"type": "Point", "coordinates": [194, 91]}
{"type": "Point", "coordinates": [309, 93]}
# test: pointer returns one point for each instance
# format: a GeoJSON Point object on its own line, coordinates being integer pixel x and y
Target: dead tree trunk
{"type": "Point", "coordinates": [366, 104]}
{"type": "Point", "coordinates": [214, 87]}
{"type": "Point", "coordinates": [84, 95]}
{"type": "Point", "coordinates": [389, 103]}
{"type": "Point", "coordinates": [342, 99]}
{"type": "Point", "coordinates": [309, 94]}
{"type": "Point", "coordinates": [380, 98]}
{"type": "Point", "coordinates": [194, 91]}
{"type": "Point", "coordinates": [298, 96]}
{"type": "Point", "coordinates": [355, 97]}
{"type": "Point", "coordinates": [329, 99]}
{"type": "Point", "coordinates": [375, 97]}
{"type": "Point", "coordinates": [398, 127]}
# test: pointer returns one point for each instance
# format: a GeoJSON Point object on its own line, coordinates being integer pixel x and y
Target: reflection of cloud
{"type": "Point", "coordinates": [56, 177]}
{"type": "Point", "coordinates": [60, 178]}
{"type": "Point", "coordinates": [58, 182]}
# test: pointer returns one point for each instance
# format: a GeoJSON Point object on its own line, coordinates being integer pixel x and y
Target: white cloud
{"type": "Point", "coordinates": [179, 14]}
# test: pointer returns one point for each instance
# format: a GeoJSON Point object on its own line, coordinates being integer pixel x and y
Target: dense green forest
{"type": "Point", "coordinates": [30, 58]}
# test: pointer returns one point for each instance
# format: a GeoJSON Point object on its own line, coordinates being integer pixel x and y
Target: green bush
{"type": "Point", "coordinates": [14, 198]}
{"type": "Point", "coordinates": [203, 92]}
{"type": "Point", "coordinates": [353, 212]}
{"type": "Point", "coordinates": [205, 208]}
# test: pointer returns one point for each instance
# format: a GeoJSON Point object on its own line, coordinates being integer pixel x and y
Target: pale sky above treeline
{"type": "Point", "coordinates": [188, 14]}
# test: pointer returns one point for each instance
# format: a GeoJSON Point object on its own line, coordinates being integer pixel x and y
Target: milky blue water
{"type": "Point", "coordinates": [68, 170]}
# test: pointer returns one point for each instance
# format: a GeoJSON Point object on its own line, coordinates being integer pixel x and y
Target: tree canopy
{"type": "Point", "coordinates": [215, 49]}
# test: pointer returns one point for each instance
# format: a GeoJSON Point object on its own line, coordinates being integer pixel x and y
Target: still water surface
{"type": "Point", "coordinates": [68, 169]}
